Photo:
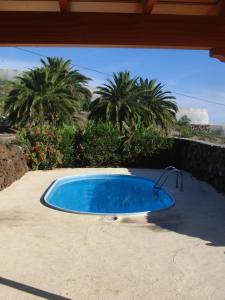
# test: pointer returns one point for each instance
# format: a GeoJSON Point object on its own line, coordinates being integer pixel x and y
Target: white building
{"type": "Point", "coordinates": [198, 116]}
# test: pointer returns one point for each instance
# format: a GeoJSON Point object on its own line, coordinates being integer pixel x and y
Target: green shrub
{"type": "Point", "coordinates": [96, 145]}
{"type": "Point", "coordinates": [47, 147]}
{"type": "Point", "coordinates": [67, 145]}
{"type": "Point", "coordinates": [185, 130]}
{"type": "Point", "coordinates": [100, 145]}
{"type": "Point", "coordinates": [144, 143]}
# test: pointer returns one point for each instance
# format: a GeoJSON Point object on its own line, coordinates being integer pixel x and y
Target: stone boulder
{"type": "Point", "coordinates": [12, 164]}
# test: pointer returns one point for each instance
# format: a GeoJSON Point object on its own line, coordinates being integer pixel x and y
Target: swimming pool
{"type": "Point", "coordinates": [107, 194]}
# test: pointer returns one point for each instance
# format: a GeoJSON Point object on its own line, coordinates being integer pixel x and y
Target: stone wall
{"type": "Point", "coordinates": [205, 161]}
{"type": "Point", "coordinates": [12, 164]}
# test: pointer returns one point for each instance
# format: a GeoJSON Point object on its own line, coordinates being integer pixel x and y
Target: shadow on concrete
{"type": "Point", "coordinates": [31, 290]}
{"type": "Point", "coordinates": [199, 211]}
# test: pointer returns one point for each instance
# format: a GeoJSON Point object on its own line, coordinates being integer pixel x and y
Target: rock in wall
{"type": "Point", "coordinates": [12, 164]}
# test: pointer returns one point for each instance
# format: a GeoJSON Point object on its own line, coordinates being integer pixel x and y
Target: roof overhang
{"type": "Point", "coordinates": [175, 24]}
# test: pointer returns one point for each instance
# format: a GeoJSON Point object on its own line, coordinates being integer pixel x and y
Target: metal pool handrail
{"type": "Point", "coordinates": [165, 175]}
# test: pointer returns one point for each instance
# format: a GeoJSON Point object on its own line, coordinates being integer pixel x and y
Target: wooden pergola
{"type": "Point", "coordinates": [179, 24]}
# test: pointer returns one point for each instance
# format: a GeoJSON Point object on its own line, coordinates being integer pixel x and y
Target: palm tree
{"type": "Point", "coordinates": [49, 94]}
{"type": "Point", "coordinates": [129, 101]}
{"type": "Point", "coordinates": [161, 105]}
{"type": "Point", "coordinates": [118, 101]}
{"type": "Point", "coordinates": [76, 82]}
{"type": "Point", "coordinates": [184, 120]}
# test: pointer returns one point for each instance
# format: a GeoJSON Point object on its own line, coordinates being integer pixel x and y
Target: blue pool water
{"type": "Point", "coordinates": [107, 194]}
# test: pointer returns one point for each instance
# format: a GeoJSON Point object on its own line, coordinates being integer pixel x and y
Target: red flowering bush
{"type": "Point", "coordinates": [47, 147]}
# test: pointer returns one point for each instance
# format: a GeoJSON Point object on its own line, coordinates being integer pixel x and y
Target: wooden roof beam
{"type": "Point", "coordinates": [111, 29]}
{"type": "Point", "coordinates": [64, 6]}
{"type": "Point", "coordinates": [148, 6]}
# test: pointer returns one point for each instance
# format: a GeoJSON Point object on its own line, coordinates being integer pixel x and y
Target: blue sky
{"type": "Point", "coordinates": [188, 72]}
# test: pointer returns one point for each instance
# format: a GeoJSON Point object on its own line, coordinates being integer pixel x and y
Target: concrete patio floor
{"type": "Point", "coordinates": [49, 254]}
